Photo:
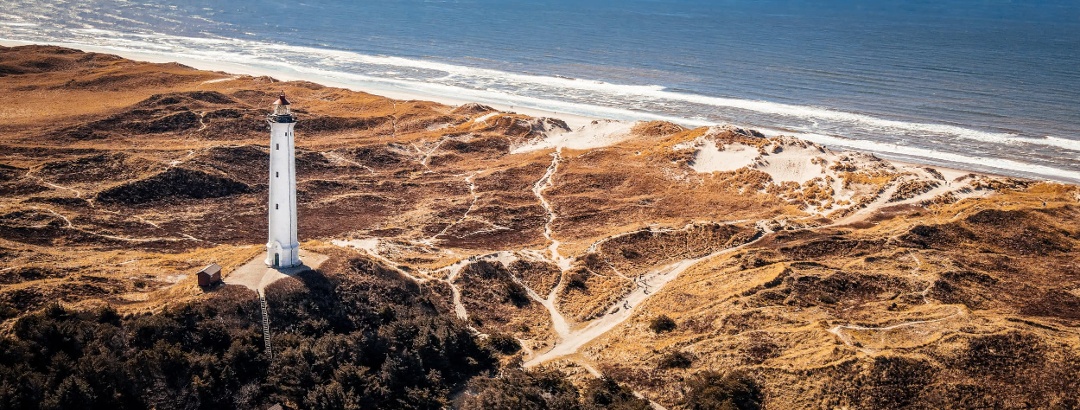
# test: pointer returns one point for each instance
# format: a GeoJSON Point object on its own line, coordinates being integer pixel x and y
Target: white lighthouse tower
{"type": "Point", "coordinates": [282, 249]}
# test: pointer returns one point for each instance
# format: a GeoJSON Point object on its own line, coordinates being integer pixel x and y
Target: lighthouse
{"type": "Point", "coordinates": [282, 249]}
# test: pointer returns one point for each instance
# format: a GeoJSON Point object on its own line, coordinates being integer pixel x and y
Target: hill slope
{"type": "Point", "coordinates": [819, 278]}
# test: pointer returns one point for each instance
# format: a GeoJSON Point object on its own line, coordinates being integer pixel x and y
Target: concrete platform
{"type": "Point", "coordinates": [255, 275]}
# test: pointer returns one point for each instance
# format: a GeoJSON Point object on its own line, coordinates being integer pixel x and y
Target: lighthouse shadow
{"type": "Point", "coordinates": [310, 278]}
{"type": "Point", "coordinates": [309, 303]}
{"type": "Point", "coordinates": [295, 270]}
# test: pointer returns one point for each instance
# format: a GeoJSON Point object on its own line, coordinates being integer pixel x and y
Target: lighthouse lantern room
{"type": "Point", "coordinates": [282, 248]}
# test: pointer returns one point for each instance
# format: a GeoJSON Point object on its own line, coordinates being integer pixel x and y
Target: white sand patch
{"type": "Point", "coordinates": [596, 134]}
{"type": "Point", "coordinates": [949, 174]}
{"type": "Point", "coordinates": [788, 162]}
{"type": "Point", "coordinates": [709, 157]}
{"type": "Point", "coordinates": [840, 193]}
{"type": "Point", "coordinates": [683, 145]}
{"type": "Point", "coordinates": [487, 116]}
{"type": "Point", "coordinates": [795, 164]}
{"type": "Point", "coordinates": [369, 244]}
{"type": "Point", "coordinates": [787, 159]}
{"type": "Point", "coordinates": [436, 127]}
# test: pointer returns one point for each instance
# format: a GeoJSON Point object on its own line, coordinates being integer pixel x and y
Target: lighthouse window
{"type": "Point", "coordinates": [275, 206]}
{"type": "Point", "coordinates": [277, 146]}
{"type": "Point", "coordinates": [275, 175]}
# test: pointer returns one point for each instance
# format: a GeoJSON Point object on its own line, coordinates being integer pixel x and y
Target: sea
{"type": "Point", "coordinates": [983, 85]}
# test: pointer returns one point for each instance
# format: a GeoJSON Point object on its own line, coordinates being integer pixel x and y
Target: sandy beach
{"type": "Point", "coordinates": [586, 132]}
{"type": "Point", "coordinates": [574, 121]}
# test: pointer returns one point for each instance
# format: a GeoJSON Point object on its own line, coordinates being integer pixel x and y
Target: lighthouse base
{"type": "Point", "coordinates": [278, 256]}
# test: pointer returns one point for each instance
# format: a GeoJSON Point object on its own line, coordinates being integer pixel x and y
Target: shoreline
{"type": "Point", "coordinates": [574, 121]}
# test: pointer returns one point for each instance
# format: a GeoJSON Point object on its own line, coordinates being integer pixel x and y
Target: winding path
{"type": "Point", "coordinates": [472, 205]}
{"type": "Point", "coordinates": [838, 329]}
{"type": "Point", "coordinates": [649, 284]}
{"type": "Point", "coordinates": [539, 187]}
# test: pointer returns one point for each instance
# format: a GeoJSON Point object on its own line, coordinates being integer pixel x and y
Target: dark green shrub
{"type": "Point", "coordinates": [605, 393]}
{"type": "Point", "coordinates": [517, 294]}
{"type": "Point", "coordinates": [676, 359]}
{"type": "Point", "coordinates": [710, 390]}
{"type": "Point", "coordinates": [504, 343]}
{"type": "Point", "coordinates": [521, 389]}
{"type": "Point", "coordinates": [577, 280]}
{"type": "Point", "coordinates": [662, 323]}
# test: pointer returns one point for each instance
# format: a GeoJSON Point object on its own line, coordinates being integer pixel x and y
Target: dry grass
{"type": "Point", "coordinates": [800, 309]}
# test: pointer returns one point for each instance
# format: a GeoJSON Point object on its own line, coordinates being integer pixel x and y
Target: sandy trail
{"type": "Point", "coordinates": [425, 156]}
{"type": "Point", "coordinates": [571, 342]}
{"type": "Point", "coordinates": [918, 264]}
{"type": "Point", "coordinates": [960, 192]}
{"type": "Point", "coordinates": [558, 321]}
{"type": "Point", "coordinates": [455, 293]}
{"type": "Point", "coordinates": [542, 184]}
{"type": "Point", "coordinates": [151, 223]}
{"type": "Point", "coordinates": [69, 225]}
{"type": "Point", "coordinates": [219, 80]}
{"type": "Point", "coordinates": [370, 246]}
{"type": "Point", "coordinates": [838, 329]}
{"type": "Point", "coordinates": [176, 162]}
{"type": "Point", "coordinates": [67, 221]}
{"type": "Point", "coordinates": [472, 205]}
{"type": "Point", "coordinates": [454, 271]}
{"type": "Point", "coordinates": [29, 174]}
{"type": "Point", "coordinates": [648, 285]}
{"type": "Point", "coordinates": [879, 202]}
{"type": "Point", "coordinates": [337, 158]}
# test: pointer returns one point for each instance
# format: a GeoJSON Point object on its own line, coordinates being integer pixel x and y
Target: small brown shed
{"type": "Point", "coordinates": [210, 275]}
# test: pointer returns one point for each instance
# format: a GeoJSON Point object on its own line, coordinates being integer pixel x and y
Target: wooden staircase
{"type": "Point", "coordinates": [265, 324]}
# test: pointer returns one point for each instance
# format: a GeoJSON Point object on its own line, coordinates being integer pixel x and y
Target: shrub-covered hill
{"type": "Point", "coordinates": [361, 338]}
{"type": "Point", "coordinates": [371, 343]}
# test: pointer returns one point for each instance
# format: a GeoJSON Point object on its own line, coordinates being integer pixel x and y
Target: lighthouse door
{"type": "Point", "coordinates": [277, 260]}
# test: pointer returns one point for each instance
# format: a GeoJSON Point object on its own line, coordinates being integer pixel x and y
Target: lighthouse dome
{"type": "Point", "coordinates": [281, 106]}
{"type": "Point", "coordinates": [281, 111]}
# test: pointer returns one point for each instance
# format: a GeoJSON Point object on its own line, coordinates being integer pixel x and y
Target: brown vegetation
{"type": "Point", "coordinates": [918, 289]}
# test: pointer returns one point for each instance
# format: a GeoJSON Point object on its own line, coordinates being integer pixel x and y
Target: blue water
{"type": "Point", "coordinates": [988, 85]}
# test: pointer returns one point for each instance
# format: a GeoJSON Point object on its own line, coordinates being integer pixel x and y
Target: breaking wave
{"type": "Point", "coordinates": [570, 95]}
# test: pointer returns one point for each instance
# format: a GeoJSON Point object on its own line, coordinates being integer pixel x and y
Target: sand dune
{"type": "Point", "coordinates": [833, 278]}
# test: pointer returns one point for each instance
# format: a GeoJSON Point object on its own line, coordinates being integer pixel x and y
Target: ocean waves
{"type": "Point", "coordinates": [955, 144]}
